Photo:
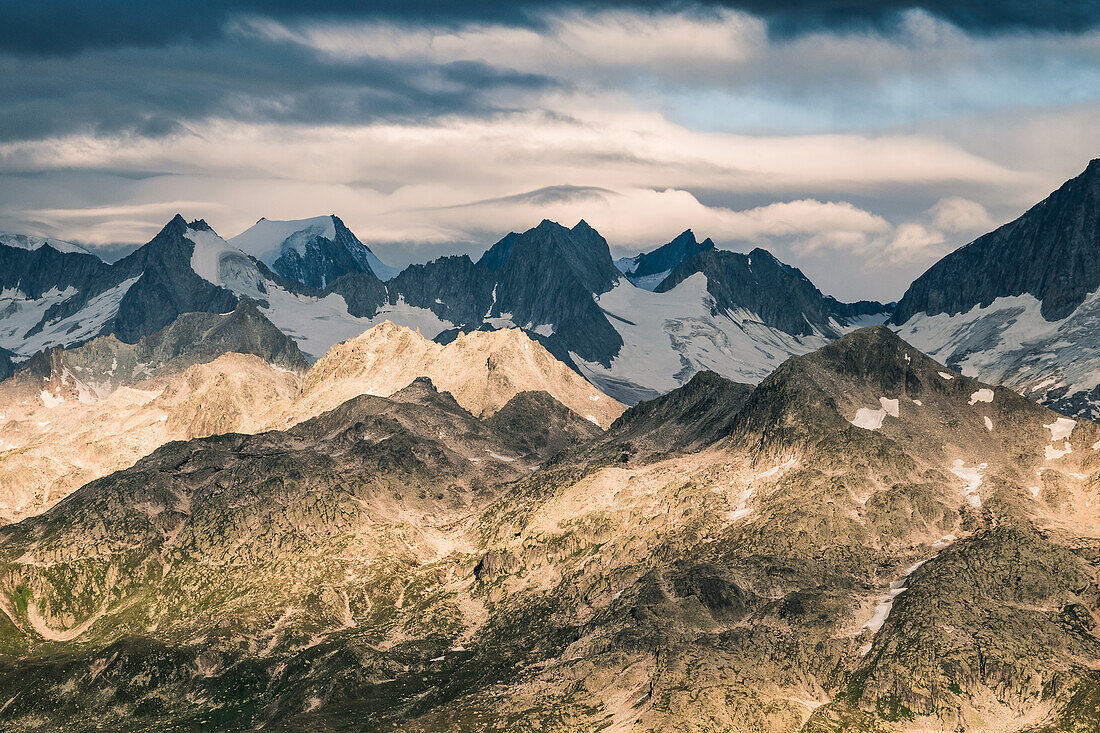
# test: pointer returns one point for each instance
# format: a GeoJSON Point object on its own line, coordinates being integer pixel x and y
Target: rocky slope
{"type": "Point", "coordinates": [763, 582]}
{"type": "Point", "coordinates": [346, 542]}
{"type": "Point", "coordinates": [869, 542]}
{"type": "Point", "coordinates": [69, 418]}
{"type": "Point", "coordinates": [1019, 306]}
{"type": "Point", "coordinates": [697, 414]}
{"type": "Point", "coordinates": [63, 436]}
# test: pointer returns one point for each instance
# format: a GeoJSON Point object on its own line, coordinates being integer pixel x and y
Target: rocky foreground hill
{"type": "Point", "coordinates": [867, 541]}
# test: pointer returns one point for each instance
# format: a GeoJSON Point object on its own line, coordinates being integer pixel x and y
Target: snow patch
{"type": "Point", "coordinates": [988, 423]}
{"type": "Point", "coordinates": [869, 419]}
{"type": "Point", "coordinates": [891, 406]}
{"type": "Point", "coordinates": [208, 253]}
{"type": "Point", "coordinates": [30, 242]}
{"type": "Point", "coordinates": [1051, 453]}
{"type": "Point", "coordinates": [1045, 383]}
{"type": "Point", "coordinates": [265, 239]}
{"type": "Point", "coordinates": [947, 376]}
{"type": "Point", "coordinates": [1009, 342]}
{"type": "Point", "coordinates": [18, 315]}
{"type": "Point", "coordinates": [743, 509]}
{"type": "Point", "coordinates": [973, 478]}
{"type": "Point", "coordinates": [49, 400]}
{"type": "Point", "coordinates": [1061, 429]}
{"type": "Point", "coordinates": [886, 602]}
{"type": "Point", "coordinates": [982, 395]}
{"type": "Point", "coordinates": [650, 282]}
{"type": "Point", "coordinates": [775, 470]}
{"type": "Point", "coordinates": [668, 337]}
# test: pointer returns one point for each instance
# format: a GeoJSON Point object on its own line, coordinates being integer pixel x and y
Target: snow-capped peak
{"type": "Point", "coordinates": [313, 251]}
{"type": "Point", "coordinates": [265, 239]}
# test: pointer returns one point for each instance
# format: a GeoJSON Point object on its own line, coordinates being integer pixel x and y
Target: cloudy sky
{"type": "Point", "coordinates": [857, 139]}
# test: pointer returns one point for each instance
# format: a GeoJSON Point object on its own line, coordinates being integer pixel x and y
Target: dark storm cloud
{"type": "Point", "coordinates": [49, 27]}
{"type": "Point", "coordinates": [154, 92]}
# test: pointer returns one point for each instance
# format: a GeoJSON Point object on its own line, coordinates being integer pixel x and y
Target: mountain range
{"type": "Point", "coordinates": [636, 328]}
{"type": "Point", "coordinates": [319, 285]}
{"type": "Point", "coordinates": [269, 483]}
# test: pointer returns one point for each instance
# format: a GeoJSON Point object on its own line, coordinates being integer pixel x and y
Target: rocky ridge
{"type": "Point", "coordinates": [61, 426]}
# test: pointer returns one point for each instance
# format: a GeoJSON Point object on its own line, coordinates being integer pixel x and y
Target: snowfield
{"type": "Point", "coordinates": [668, 337]}
{"type": "Point", "coordinates": [1009, 342]}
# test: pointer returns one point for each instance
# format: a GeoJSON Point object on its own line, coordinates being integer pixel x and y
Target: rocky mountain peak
{"type": "Point", "coordinates": [696, 414]}
{"type": "Point", "coordinates": [421, 391]}
{"type": "Point", "coordinates": [648, 269]}
{"type": "Point", "coordinates": [481, 369]}
{"type": "Point", "coordinates": [581, 253]}
{"type": "Point", "coordinates": [758, 282]}
{"type": "Point", "coordinates": [1050, 252]}
{"type": "Point", "coordinates": [874, 357]}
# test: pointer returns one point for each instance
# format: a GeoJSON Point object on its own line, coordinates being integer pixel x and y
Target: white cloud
{"type": "Point", "coordinates": [957, 214]}
{"type": "Point", "coordinates": [653, 111]}
{"type": "Point", "coordinates": [723, 67]}
{"type": "Point", "coordinates": [397, 182]}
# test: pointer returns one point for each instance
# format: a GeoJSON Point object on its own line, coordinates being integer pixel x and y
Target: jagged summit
{"type": "Point", "coordinates": [177, 225]}
{"type": "Point", "coordinates": [580, 253]}
{"type": "Point", "coordinates": [778, 293]}
{"type": "Point", "coordinates": [648, 269]}
{"type": "Point", "coordinates": [483, 370]}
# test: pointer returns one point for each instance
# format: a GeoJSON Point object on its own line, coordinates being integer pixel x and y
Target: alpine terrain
{"type": "Point", "coordinates": [267, 483]}
{"type": "Point", "coordinates": [549, 367]}
{"type": "Point", "coordinates": [868, 540]}
{"type": "Point", "coordinates": [710, 310]}
{"type": "Point", "coordinates": [1020, 305]}
{"type": "Point", "coordinates": [71, 416]}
